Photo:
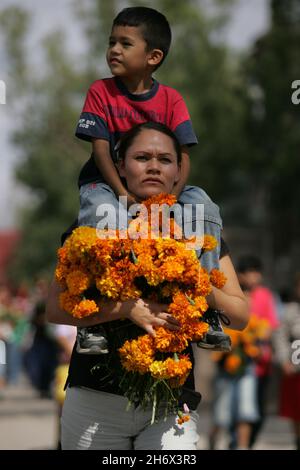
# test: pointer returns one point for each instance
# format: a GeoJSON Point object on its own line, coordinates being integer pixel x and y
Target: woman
{"type": "Point", "coordinates": [94, 414]}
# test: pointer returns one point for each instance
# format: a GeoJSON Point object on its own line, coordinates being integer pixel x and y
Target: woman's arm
{"type": "Point", "coordinates": [145, 314]}
{"type": "Point", "coordinates": [230, 298]}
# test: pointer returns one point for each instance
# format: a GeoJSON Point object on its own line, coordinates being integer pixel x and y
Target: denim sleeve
{"type": "Point", "coordinates": [208, 219]}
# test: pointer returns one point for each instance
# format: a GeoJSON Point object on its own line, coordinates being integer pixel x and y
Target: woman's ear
{"type": "Point", "coordinates": [155, 57]}
{"type": "Point", "coordinates": [177, 178]}
{"type": "Point", "coordinates": [120, 167]}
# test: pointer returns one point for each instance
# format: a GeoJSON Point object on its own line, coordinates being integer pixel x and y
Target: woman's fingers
{"type": "Point", "coordinates": [166, 320]}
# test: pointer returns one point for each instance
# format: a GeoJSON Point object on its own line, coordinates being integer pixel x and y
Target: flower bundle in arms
{"type": "Point", "coordinates": [155, 268]}
{"type": "Point", "coordinates": [246, 346]}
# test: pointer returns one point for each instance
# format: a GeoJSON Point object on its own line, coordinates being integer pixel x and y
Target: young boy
{"type": "Point", "coordinates": [138, 45]}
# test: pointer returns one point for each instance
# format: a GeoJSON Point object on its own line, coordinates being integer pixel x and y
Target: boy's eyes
{"type": "Point", "coordinates": [111, 43]}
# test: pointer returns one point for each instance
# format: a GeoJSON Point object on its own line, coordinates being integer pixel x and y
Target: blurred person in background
{"type": "Point", "coordinates": [235, 404]}
{"type": "Point", "coordinates": [262, 303]}
{"type": "Point", "coordinates": [287, 350]}
{"type": "Point", "coordinates": [13, 328]}
{"type": "Point", "coordinates": [41, 358]}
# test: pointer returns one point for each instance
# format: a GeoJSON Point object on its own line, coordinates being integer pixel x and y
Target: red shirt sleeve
{"type": "Point", "coordinates": [92, 121]}
{"type": "Point", "coordinates": [181, 123]}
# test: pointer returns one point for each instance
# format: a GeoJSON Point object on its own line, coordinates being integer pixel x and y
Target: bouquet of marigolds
{"type": "Point", "coordinates": [117, 265]}
{"type": "Point", "coordinates": [246, 346]}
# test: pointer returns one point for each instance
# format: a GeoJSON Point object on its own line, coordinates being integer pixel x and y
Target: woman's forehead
{"type": "Point", "coordinates": [152, 139]}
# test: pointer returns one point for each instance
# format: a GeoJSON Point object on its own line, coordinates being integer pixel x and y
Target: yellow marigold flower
{"type": "Point", "coordinates": [195, 329]}
{"type": "Point", "coordinates": [79, 243]}
{"type": "Point", "coordinates": [217, 278]}
{"type": "Point", "coordinates": [169, 341]}
{"type": "Point", "coordinates": [85, 308]}
{"type": "Point", "coordinates": [160, 199]}
{"type": "Point", "coordinates": [209, 243]}
{"type": "Point", "coordinates": [158, 370]}
{"type": "Point", "coordinates": [77, 282]}
{"type": "Point", "coordinates": [61, 273]}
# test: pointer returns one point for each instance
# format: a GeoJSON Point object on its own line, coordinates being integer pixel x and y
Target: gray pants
{"type": "Point", "coordinates": [98, 420]}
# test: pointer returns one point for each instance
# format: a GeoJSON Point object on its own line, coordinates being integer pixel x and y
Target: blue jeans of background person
{"type": "Point", "coordinates": [209, 220]}
{"type": "Point", "coordinates": [14, 362]}
{"type": "Point", "coordinates": [235, 398]}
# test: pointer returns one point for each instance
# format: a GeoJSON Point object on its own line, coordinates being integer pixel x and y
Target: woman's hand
{"type": "Point", "coordinates": [147, 315]}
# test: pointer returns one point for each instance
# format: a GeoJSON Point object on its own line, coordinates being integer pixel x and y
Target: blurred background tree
{"type": "Point", "coordinates": [240, 105]}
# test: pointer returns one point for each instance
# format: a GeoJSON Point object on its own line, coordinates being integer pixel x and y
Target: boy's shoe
{"type": "Point", "coordinates": [91, 340]}
{"type": "Point", "coordinates": [215, 339]}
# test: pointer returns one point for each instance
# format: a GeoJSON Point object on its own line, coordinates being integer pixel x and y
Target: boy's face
{"type": "Point", "coordinates": [127, 54]}
{"type": "Point", "coordinates": [250, 279]}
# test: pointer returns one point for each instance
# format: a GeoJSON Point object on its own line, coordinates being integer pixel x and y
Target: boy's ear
{"type": "Point", "coordinates": [155, 57]}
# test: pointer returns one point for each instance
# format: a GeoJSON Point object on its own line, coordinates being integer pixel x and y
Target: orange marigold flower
{"type": "Point", "coordinates": [217, 278]}
{"type": "Point", "coordinates": [137, 355]}
{"type": "Point", "coordinates": [232, 363]}
{"type": "Point", "coordinates": [209, 243]}
{"type": "Point", "coordinates": [85, 308]}
{"type": "Point", "coordinates": [182, 419]}
{"type": "Point", "coordinates": [77, 282]}
{"type": "Point", "coordinates": [68, 302]}
{"type": "Point", "coordinates": [203, 287]}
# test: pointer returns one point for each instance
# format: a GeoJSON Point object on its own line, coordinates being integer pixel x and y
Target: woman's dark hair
{"type": "Point", "coordinates": [154, 26]}
{"type": "Point", "coordinates": [128, 138]}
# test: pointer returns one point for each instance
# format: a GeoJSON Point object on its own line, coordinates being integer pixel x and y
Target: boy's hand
{"type": "Point", "coordinates": [131, 200]}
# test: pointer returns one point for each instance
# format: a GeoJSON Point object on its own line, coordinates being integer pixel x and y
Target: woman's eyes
{"type": "Point", "coordinates": [146, 158]}
{"type": "Point", "coordinates": [141, 157]}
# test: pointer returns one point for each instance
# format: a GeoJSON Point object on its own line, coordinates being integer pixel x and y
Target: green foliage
{"type": "Point", "coordinates": [273, 126]}
{"type": "Point", "coordinates": [248, 129]}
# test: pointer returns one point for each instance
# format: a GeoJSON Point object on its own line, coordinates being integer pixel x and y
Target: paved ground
{"type": "Point", "coordinates": [28, 422]}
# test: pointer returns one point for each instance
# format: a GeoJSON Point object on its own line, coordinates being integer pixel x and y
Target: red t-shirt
{"type": "Point", "coordinates": [110, 110]}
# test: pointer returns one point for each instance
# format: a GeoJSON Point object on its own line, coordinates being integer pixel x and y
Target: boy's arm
{"type": "Point", "coordinates": [184, 171]}
{"type": "Point", "coordinates": [105, 164]}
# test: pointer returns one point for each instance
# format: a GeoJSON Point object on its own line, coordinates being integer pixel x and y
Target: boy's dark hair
{"type": "Point", "coordinates": [249, 263]}
{"type": "Point", "coordinates": [154, 26]}
{"type": "Point", "coordinates": [127, 139]}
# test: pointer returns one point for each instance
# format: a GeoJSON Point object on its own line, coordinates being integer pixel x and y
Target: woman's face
{"type": "Point", "coordinates": [150, 166]}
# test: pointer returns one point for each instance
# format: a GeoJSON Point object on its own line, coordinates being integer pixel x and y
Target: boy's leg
{"type": "Point", "coordinates": [207, 219]}
{"type": "Point", "coordinates": [99, 208]}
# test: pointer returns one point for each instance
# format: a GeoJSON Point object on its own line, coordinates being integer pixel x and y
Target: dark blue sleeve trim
{"type": "Point", "coordinates": [91, 126]}
{"type": "Point", "coordinates": [185, 134]}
